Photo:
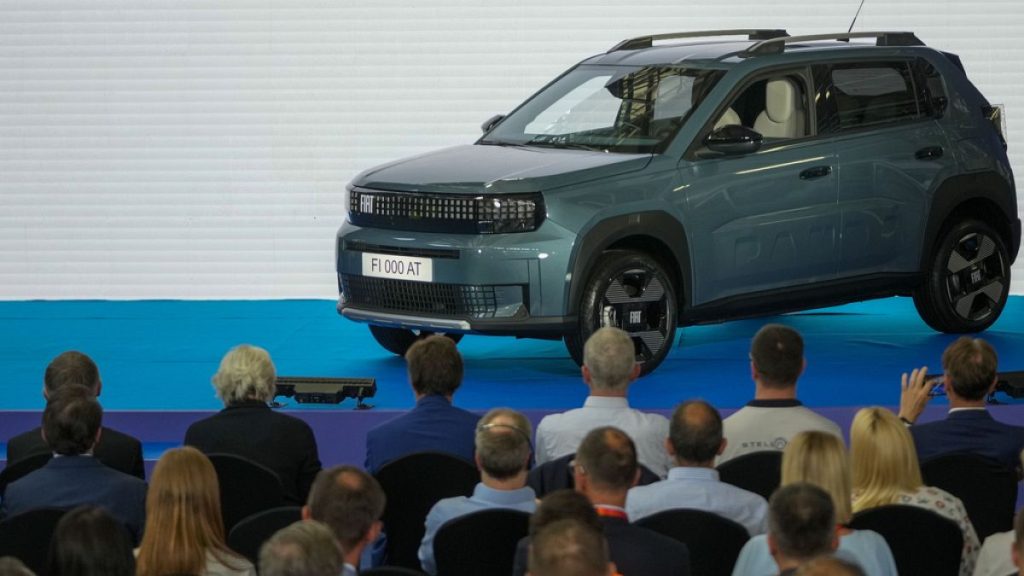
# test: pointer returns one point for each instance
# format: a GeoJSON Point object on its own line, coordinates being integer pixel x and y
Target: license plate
{"type": "Point", "coordinates": [398, 267]}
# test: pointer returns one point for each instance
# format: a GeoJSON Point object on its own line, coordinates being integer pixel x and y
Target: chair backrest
{"type": "Point", "coordinates": [27, 536]}
{"type": "Point", "coordinates": [783, 115]}
{"type": "Point", "coordinates": [758, 472]}
{"type": "Point", "coordinates": [245, 488]}
{"type": "Point", "coordinates": [987, 489]}
{"type": "Point", "coordinates": [556, 475]}
{"type": "Point", "coordinates": [714, 542]}
{"type": "Point", "coordinates": [391, 571]}
{"type": "Point", "coordinates": [413, 484]}
{"type": "Point", "coordinates": [922, 542]}
{"type": "Point", "coordinates": [480, 543]}
{"type": "Point", "coordinates": [250, 533]}
{"type": "Point", "coordinates": [18, 469]}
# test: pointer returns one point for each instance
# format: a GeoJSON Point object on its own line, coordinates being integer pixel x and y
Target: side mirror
{"type": "Point", "coordinates": [491, 122]}
{"type": "Point", "coordinates": [734, 139]}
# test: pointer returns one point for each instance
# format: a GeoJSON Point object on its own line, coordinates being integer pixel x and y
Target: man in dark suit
{"type": "Point", "coordinates": [969, 366]}
{"type": "Point", "coordinates": [246, 381]}
{"type": "Point", "coordinates": [71, 426]}
{"type": "Point", "coordinates": [604, 470]}
{"type": "Point", "coordinates": [434, 425]}
{"type": "Point", "coordinates": [350, 502]}
{"type": "Point", "coordinates": [115, 449]}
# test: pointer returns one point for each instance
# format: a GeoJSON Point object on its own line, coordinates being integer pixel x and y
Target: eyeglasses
{"type": "Point", "coordinates": [576, 467]}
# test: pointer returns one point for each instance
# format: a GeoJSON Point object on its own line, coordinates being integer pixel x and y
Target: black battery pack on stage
{"type": "Point", "coordinates": [316, 390]}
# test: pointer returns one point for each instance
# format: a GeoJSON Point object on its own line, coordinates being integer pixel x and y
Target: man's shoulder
{"type": "Point", "coordinates": [26, 444]}
{"type": "Point", "coordinates": [118, 439]}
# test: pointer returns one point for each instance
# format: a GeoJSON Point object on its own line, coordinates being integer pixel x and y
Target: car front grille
{"type": "Point", "coordinates": [420, 297]}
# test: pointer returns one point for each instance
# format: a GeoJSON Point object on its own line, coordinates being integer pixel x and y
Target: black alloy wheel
{"type": "Point", "coordinates": [632, 291]}
{"type": "Point", "coordinates": [398, 340]}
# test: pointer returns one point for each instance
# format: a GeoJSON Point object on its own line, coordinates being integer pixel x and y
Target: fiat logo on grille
{"type": "Point", "coordinates": [366, 203]}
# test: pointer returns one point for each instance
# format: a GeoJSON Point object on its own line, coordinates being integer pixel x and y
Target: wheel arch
{"type": "Point", "coordinates": [654, 232]}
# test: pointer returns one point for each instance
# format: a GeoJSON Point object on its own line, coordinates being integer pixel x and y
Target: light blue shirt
{"type": "Point", "coordinates": [483, 498]}
{"type": "Point", "coordinates": [700, 489]}
{"type": "Point", "coordinates": [865, 548]}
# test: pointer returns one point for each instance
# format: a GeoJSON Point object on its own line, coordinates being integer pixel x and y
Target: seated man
{"type": "Point", "coordinates": [969, 366]}
{"type": "Point", "coordinates": [503, 457]}
{"type": "Point", "coordinates": [801, 526]}
{"type": "Point", "coordinates": [302, 549]}
{"type": "Point", "coordinates": [695, 438]}
{"type": "Point", "coordinates": [434, 425]}
{"type": "Point", "coordinates": [569, 548]}
{"type": "Point", "coordinates": [115, 449]}
{"type": "Point", "coordinates": [609, 366]}
{"type": "Point", "coordinates": [350, 502]}
{"type": "Point", "coordinates": [71, 427]}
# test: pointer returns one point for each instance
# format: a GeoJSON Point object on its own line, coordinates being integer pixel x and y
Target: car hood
{"type": "Point", "coordinates": [497, 169]}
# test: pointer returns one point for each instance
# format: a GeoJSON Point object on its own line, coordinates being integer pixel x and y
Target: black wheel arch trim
{"type": "Point", "coordinates": [654, 225]}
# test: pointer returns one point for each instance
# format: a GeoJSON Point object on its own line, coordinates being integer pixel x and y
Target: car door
{"type": "Point", "coordinates": [763, 221]}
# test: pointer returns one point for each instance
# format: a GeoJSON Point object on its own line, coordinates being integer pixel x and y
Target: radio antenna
{"type": "Point", "coordinates": [855, 16]}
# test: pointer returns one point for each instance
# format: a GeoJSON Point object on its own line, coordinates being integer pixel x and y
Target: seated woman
{"type": "Point", "coordinates": [88, 541]}
{"type": "Point", "coordinates": [820, 458]}
{"type": "Point", "coordinates": [246, 381]}
{"type": "Point", "coordinates": [184, 531]}
{"type": "Point", "coordinates": [886, 471]}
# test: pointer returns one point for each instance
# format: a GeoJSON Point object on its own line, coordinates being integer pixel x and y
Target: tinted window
{"type": "Point", "coordinates": [857, 95]}
{"type": "Point", "coordinates": [931, 89]}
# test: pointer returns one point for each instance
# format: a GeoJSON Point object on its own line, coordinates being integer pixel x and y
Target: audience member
{"type": "Point", "coordinates": [999, 553]}
{"type": "Point", "coordinates": [434, 425]}
{"type": "Point", "coordinates": [565, 504]}
{"type": "Point", "coordinates": [90, 542]}
{"type": "Point", "coordinates": [503, 457]}
{"type": "Point", "coordinates": [11, 566]}
{"type": "Point", "coordinates": [350, 502]}
{"type": "Point", "coordinates": [801, 525]}
{"type": "Point", "coordinates": [184, 529]}
{"type": "Point", "coordinates": [774, 415]}
{"type": "Point", "coordinates": [830, 566]}
{"type": "Point", "coordinates": [886, 471]}
{"type": "Point", "coordinates": [569, 548]}
{"type": "Point", "coordinates": [115, 449]}
{"type": "Point", "coordinates": [819, 458]}
{"type": "Point", "coordinates": [609, 366]}
{"type": "Point", "coordinates": [247, 427]}
{"type": "Point", "coordinates": [302, 549]}
{"type": "Point", "coordinates": [71, 426]}
{"type": "Point", "coordinates": [1017, 550]}
{"type": "Point", "coordinates": [695, 438]}
{"type": "Point", "coordinates": [969, 375]}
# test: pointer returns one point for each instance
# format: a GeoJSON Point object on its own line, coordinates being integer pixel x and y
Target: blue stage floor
{"type": "Point", "coordinates": [159, 355]}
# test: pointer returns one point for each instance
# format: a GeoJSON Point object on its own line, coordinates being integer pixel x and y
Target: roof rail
{"type": "Point", "coordinates": [648, 41]}
{"type": "Point", "coordinates": [777, 45]}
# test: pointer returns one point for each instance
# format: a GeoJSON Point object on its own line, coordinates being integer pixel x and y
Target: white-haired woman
{"type": "Point", "coordinates": [247, 427]}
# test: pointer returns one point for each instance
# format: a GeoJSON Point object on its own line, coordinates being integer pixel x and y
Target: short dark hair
{"type": "Point", "coordinates": [695, 431]}
{"type": "Point", "coordinates": [88, 541]}
{"type": "Point", "coordinates": [778, 355]}
{"type": "Point", "coordinates": [568, 548]}
{"type": "Point", "coordinates": [71, 419]}
{"type": "Point", "coordinates": [71, 368]}
{"type": "Point", "coordinates": [971, 364]}
{"type": "Point", "coordinates": [502, 443]}
{"type": "Point", "coordinates": [608, 455]}
{"type": "Point", "coordinates": [348, 501]}
{"type": "Point", "coordinates": [435, 365]}
{"type": "Point", "coordinates": [561, 505]}
{"type": "Point", "coordinates": [802, 520]}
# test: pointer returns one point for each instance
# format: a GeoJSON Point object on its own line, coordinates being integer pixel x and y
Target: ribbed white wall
{"type": "Point", "coordinates": [198, 149]}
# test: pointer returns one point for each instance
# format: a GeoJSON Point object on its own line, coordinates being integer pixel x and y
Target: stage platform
{"type": "Point", "coordinates": [156, 359]}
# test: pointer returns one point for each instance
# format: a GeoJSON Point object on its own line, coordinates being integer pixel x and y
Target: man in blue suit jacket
{"type": "Point", "coordinates": [71, 426]}
{"type": "Point", "coordinates": [969, 366]}
{"type": "Point", "coordinates": [434, 425]}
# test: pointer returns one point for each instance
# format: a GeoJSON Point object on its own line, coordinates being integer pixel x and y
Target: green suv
{"type": "Point", "coordinates": [693, 178]}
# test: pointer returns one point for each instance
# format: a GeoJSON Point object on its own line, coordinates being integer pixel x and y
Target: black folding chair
{"type": "Point", "coordinates": [27, 535]}
{"type": "Point", "coordinates": [556, 475]}
{"type": "Point", "coordinates": [245, 488]}
{"type": "Point", "coordinates": [249, 534]}
{"type": "Point", "coordinates": [391, 571]}
{"type": "Point", "coordinates": [413, 484]}
{"type": "Point", "coordinates": [757, 472]}
{"type": "Point", "coordinates": [714, 542]}
{"type": "Point", "coordinates": [18, 469]}
{"type": "Point", "coordinates": [923, 543]}
{"type": "Point", "coordinates": [987, 488]}
{"type": "Point", "coordinates": [479, 543]}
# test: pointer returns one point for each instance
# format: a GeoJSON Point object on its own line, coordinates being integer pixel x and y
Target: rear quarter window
{"type": "Point", "coordinates": [851, 96]}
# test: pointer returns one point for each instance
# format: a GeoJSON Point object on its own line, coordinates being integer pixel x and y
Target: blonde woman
{"type": "Point", "coordinates": [184, 530]}
{"type": "Point", "coordinates": [819, 458]}
{"type": "Point", "coordinates": [886, 471]}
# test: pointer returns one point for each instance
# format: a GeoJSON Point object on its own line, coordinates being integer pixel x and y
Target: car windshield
{"type": "Point", "coordinates": [626, 109]}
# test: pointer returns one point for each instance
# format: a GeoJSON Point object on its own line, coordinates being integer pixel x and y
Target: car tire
{"type": "Point", "coordinates": [628, 285]}
{"type": "Point", "coordinates": [967, 281]}
{"type": "Point", "coordinates": [398, 340]}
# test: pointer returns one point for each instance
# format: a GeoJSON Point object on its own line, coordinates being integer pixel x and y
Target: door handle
{"type": "Point", "coordinates": [929, 153]}
{"type": "Point", "coordinates": [816, 172]}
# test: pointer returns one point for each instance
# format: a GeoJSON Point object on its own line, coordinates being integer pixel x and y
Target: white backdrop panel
{"type": "Point", "coordinates": [197, 149]}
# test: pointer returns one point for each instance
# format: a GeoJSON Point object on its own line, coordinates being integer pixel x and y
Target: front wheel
{"type": "Point", "coordinates": [398, 340]}
{"type": "Point", "coordinates": [633, 291]}
{"type": "Point", "coordinates": [968, 281]}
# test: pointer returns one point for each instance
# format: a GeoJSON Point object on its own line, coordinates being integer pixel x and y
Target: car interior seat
{"type": "Point", "coordinates": [783, 116]}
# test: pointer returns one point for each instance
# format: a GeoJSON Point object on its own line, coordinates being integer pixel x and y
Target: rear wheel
{"type": "Point", "coordinates": [398, 340]}
{"type": "Point", "coordinates": [633, 291]}
{"type": "Point", "coordinates": [968, 281]}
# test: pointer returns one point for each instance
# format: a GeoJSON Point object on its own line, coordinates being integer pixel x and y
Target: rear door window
{"type": "Point", "coordinates": [857, 95]}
